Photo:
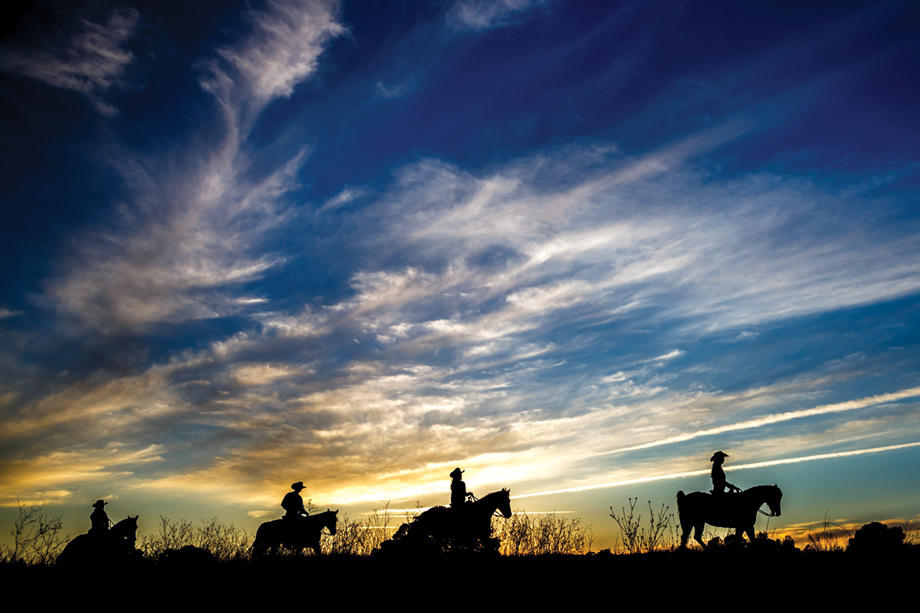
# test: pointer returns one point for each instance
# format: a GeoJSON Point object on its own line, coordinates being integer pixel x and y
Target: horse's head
{"type": "Point", "coordinates": [330, 520]}
{"type": "Point", "coordinates": [126, 529]}
{"type": "Point", "coordinates": [504, 503]}
{"type": "Point", "coordinates": [774, 495]}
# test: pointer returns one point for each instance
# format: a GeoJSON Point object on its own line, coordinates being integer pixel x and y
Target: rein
{"type": "Point", "coordinates": [495, 513]}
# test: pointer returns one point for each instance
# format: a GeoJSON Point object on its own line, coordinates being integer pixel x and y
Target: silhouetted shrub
{"type": "Point", "coordinates": [223, 541]}
{"type": "Point", "coordinates": [660, 531]}
{"type": "Point", "coordinates": [359, 537]}
{"type": "Point", "coordinates": [877, 538]}
{"type": "Point", "coordinates": [550, 533]}
{"type": "Point", "coordinates": [762, 542]}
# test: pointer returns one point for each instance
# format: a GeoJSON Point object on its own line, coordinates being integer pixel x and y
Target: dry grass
{"type": "Point", "coordinates": [658, 533]}
{"type": "Point", "coordinates": [832, 537]}
{"type": "Point", "coordinates": [223, 541]}
{"type": "Point", "coordinates": [360, 537]}
{"type": "Point", "coordinates": [549, 533]}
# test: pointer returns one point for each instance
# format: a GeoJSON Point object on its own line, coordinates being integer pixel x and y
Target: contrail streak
{"type": "Point", "coordinates": [694, 473]}
{"type": "Point", "coordinates": [838, 407]}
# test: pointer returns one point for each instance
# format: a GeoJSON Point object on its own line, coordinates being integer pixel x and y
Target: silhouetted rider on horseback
{"type": "Point", "coordinates": [99, 519]}
{"type": "Point", "coordinates": [458, 493]}
{"type": "Point", "coordinates": [293, 503]}
{"type": "Point", "coordinates": [719, 484]}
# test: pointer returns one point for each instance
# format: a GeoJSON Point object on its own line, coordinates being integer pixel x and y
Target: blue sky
{"type": "Point", "coordinates": [567, 246]}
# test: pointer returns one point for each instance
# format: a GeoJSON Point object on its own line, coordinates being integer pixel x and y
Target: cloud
{"type": "Point", "coordinates": [188, 239]}
{"type": "Point", "coordinates": [344, 197]}
{"type": "Point", "coordinates": [180, 250]}
{"type": "Point", "coordinates": [261, 374]}
{"type": "Point", "coordinates": [719, 255]}
{"type": "Point", "coordinates": [471, 275]}
{"type": "Point", "coordinates": [282, 51]}
{"type": "Point", "coordinates": [765, 420]}
{"type": "Point", "coordinates": [90, 61]}
{"type": "Point", "coordinates": [831, 533]}
{"type": "Point", "coordinates": [5, 313]}
{"type": "Point", "coordinates": [736, 467]}
{"type": "Point", "coordinates": [499, 319]}
{"type": "Point", "coordinates": [53, 477]}
{"type": "Point", "coordinates": [396, 90]}
{"type": "Point", "coordinates": [487, 14]}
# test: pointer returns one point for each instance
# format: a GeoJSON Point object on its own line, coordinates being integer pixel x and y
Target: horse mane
{"type": "Point", "coordinates": [757, 488]}
{"type": "Point", "coordinates": [128, 523]}
{"type": "Point", "coordinates": [491, 495]}
{"type": "Point", "coordinates": [323, 517]}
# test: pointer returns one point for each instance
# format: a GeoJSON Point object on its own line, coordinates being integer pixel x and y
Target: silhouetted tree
{"type": "Point", "coordinates": [36, 537]}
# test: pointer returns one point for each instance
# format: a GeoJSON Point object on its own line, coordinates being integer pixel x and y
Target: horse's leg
{"type": "Point", "coordinates": [750, 532]}
{"type": "Point", "coordinates": [686, 525]}
{"type": "Point", "coordinates": [698, 535]}
{"type": "Point", "coordinates": [684, 534]}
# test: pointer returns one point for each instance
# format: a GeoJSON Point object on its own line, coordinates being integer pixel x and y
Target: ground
{"type": "Point", "coordinates": [738, 580]}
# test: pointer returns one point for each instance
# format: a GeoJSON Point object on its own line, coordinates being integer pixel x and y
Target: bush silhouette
{"type": "Point", "coordinates": [877, 538]}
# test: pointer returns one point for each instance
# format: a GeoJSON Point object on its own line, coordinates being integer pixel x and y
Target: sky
{"type": "Point", "coordinates": [573, 248]}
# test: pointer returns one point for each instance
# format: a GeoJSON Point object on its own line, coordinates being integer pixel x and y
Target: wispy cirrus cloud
{"type": "Point", "coordinates": [5, 313]}
{"type": "Point", "coordinates": [282, 51]}
{"type": "Point", "coordinates": [343, 198]}
{"type": "Point", "coordinates": [54, 477]}
{"type": "Point", "coordinates": [189, 238]}
{"type": "Point", "coordinates": [769, 419]}
{"type": "Point", "coordinates": [486, 14]}
{"type": "Point", "coordinates": [765, 463]}
{"type": "Point", "coordinates": [177, 253]}
{"type": "Point", "coordinates": [90, 61]}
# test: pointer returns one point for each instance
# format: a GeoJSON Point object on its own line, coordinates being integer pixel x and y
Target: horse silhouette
{"type": "Point", "coordinates": [738, 511]}
{"type": "Point", "coordinates": [115, 546]}
{"type": "Point", "coordinates": [295, 533]}
{"type": "Point", "coordinates": [443, 529]}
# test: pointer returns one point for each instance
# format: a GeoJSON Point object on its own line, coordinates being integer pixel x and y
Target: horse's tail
{"type": "Point", "coordinates": [680, 500]}
{"type": "Point", "coordinates": [260, 544]}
